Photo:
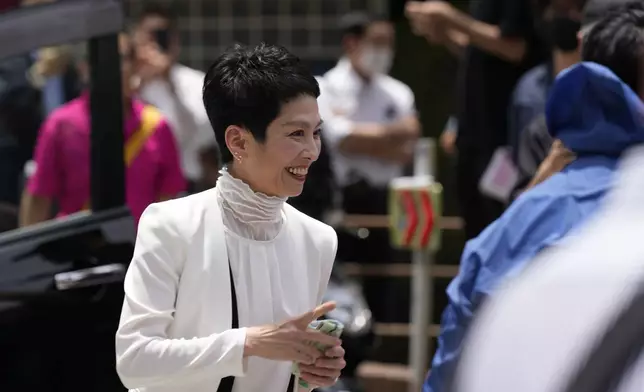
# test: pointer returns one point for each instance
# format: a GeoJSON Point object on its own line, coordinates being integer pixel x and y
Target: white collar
{"type": "Point", "coordinates": [249, 214]}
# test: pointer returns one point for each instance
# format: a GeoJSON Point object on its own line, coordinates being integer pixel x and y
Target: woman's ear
{"type": "Point", "coordinates": [237, 141]}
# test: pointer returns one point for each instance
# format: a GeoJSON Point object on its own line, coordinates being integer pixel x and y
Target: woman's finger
{"type": "Point", "coordinates": [319, 371]}
{"type": "Point", "coordinates": [310, 352]}
{"type": "Point", "coordinates": [300, 357]}
{"type": "Point", "coordinates": [319, 337]}
{"type": "Point", "coordinates": [317, 380]}
{"type": "Point", "coordinates": [302, 321]}
{"type": "Point", "coordinates": [330, 363]}
{"type": "Point", "coordinates": [335, 352]}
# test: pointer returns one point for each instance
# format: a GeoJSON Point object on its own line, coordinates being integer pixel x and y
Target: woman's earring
{"type": "Point", "coordinates": [237, 157]}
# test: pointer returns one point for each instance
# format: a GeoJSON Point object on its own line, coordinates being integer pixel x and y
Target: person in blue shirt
{"type": "Point", "coordinates": [594, 110]}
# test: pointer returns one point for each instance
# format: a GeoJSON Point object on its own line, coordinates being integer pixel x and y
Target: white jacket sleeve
{"type": "Point", "coordinates": [145, 356]}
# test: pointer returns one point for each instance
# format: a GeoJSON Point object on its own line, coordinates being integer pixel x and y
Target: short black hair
{"type": "Point", "coordinates": [617, 42]}
{"type": "Point", "coordinates": [595, 10]}
{"type": "Point", "coordinates": [159, 10]}
{"type": "Point", "coordinates": [355, 24]}
{"type": "Point", "coordinates": [247, 86]}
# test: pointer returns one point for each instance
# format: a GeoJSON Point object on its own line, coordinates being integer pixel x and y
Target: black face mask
{"type": "Point", "coordinates": [562, 33]}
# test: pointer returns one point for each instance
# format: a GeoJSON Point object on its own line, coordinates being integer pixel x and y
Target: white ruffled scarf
{"type": "Point", "coordinates": [248, 214]}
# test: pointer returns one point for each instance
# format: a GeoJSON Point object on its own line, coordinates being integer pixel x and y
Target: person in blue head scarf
{"type": "Point", "coordinates": [595, 109]}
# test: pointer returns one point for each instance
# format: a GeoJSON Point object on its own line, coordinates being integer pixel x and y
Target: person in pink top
{"type": "Point", "coordinates": [62, 157]}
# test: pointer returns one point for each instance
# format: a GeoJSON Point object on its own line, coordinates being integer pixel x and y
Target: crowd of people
{"type": "Point", "coordinates": [566, 121]}
{"type": "Point", "coordinates": [549, 99]}
{"type": "Point", "coordinates": [170, 148]}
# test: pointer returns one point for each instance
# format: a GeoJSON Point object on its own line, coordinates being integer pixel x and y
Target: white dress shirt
{"type": "Point", "coordinates": [346, 99]}
{"type": "Point", "coordinates": [175, 331]}
{"type": "Point", "coordinates": [537, 330]}
{"type": "Point", "coordinates": [182, 105]}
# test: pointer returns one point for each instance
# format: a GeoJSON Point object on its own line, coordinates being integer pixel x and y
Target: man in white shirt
{"type": "Point", "coordinates": [370, 118]}
{"type": "Point", "coordinates": [175, 89]}
{"type": "Point", "coordinates": [370, 127]}
{"type": "Point", "coordinates": [536, 332]}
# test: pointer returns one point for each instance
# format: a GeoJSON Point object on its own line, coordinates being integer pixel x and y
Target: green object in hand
{"type": "Point", "coordinates": [329, 327]}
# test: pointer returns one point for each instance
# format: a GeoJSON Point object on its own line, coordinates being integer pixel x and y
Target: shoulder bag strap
{"type": "Point", "coordinates": [150, 119]}
{"type": "Point", "coordinates": [227, 383]}
{"type": "Point", "coordinates": [615, 353]}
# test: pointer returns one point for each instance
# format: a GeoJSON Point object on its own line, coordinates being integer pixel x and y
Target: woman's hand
{"type": "Point", "coordinates": [326, 370]}
{"type": "Point", "coordinates": [291, 340]}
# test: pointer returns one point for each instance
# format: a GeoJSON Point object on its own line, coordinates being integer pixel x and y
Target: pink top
{"type": "Point", "coordinates": [62, 160]}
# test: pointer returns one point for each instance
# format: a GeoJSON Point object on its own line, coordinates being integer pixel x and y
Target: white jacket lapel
{"type": "Point", "coordinates": [218, 265]}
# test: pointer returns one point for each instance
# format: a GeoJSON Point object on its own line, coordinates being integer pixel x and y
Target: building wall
{"type": "Point", "coordinates": [307, 27]}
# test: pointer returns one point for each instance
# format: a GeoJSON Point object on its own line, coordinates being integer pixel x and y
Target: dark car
{"type": "Point", "coordinates": [61, 292]}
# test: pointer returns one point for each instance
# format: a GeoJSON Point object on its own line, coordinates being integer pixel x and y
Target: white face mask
{"type": "Point", "coordinates": [376, 60]}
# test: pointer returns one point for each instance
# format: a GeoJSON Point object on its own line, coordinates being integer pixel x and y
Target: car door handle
{"type": "Point", "coordinates": [94, 276]}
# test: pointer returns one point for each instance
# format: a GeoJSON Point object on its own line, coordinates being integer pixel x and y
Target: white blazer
{"type": "Point", "coordinates": [175, 331]}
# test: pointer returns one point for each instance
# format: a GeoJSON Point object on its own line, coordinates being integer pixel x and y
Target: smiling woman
{"type": "Point", "coordinates": [222, 283]}
{"type": "Point", "coordinates": [269, 128]}
{"type": "Point", "coordinates": [276, 162]}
